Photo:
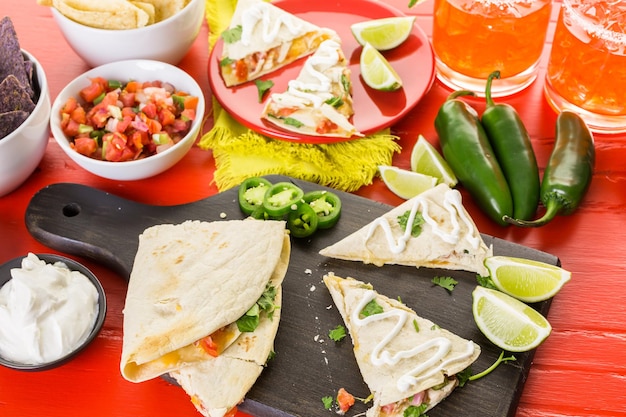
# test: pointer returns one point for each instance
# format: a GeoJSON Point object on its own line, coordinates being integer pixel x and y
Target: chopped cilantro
{"type": "Point", "coordinates": [486, 282]}
{"type": "Point", "coordinates": [262, 87]}
{"type": "Point", "coordinates": [328, 402]}
{"type": "Point", "coordinates": [249, 321]}
{"type": "Point", "coordinates": [445, 282]}
{"type": "Point", "coordinates": [288, 120]}
{"type": "Point", "coordinates": [416, 227]}
{"type": "Point", "coordinates": [464, 376]}
{"type": "Point", "coordinates": [416, 410]}
{"type": "Point", "coordinates": [232, 35]}
{"type": "Point", "coordinates": [345, 83]}
{"type": "Point", "coordinates": [334, 101]}
{"type": "Point", "coordinates": [338, 333]}
{"type": "Point", "coordinates": [434, 327]}
{"type": "Point", "coordinates": [226, 61]}
{"type": "Point", "coordinates": [412, 3]}
{"type": "Point", "coordinates": [371, 308]}
{"type": "Point", "coordinates": [416, 326]}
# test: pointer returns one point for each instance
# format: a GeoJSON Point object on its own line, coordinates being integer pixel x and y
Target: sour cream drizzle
{"type": "Point", "coordinates": [261, 13]}
{"type": "Point", "coordinates": [381, 357]}
{"type": "Point", "coordinates": [452, 203]}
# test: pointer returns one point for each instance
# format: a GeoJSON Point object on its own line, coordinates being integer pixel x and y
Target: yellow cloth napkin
{"type": "Point", "coordinates": [241, 153]}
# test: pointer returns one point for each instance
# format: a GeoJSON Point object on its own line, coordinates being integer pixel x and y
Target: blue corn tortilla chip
{"type": "Point", "coordinates": [11, 58]}
{"type": "Point", "coordinates": [14, 96]}
{"type": "Point", "coordinates": [10, 121]}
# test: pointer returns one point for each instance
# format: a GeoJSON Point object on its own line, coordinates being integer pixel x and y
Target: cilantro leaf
{"type": "Point", "coordinates": [249, 321]}
{"type": "Point", "coordinates": [486, 282]}
{"type": "Point", "coordinates": [334, 101]}
{"type": "Point", "coordinates": [262, 87]}
{"type": "Point", "coordinates": [416, 227]}
{"type": "Point", "coordinates": [327, 400]}
{"type": "Point", "coordinates": [445, 282]}
{"type": "Point", "coordinates": [232, 35]}
{"type": "Point", "coordinates": [338, 333]}
{"type": "Point", "coordinates": [416, 410]}
{"type": "Point", "coordinates": [464, 376]}
{"type": "Point", "coordinates": [371, 308]}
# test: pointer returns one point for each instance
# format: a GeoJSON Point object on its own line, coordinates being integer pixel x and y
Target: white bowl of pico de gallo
{"type": "Point", "coordinates": [128, 120]}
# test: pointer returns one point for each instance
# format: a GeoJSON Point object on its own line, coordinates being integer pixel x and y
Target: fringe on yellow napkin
{"type": "Point", "coordinates": [241, 153]}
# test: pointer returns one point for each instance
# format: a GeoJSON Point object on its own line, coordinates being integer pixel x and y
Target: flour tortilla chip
{"type": "Point", "coordinates": [148, 8]}
{"type": "Point", "coordinates": [14, 96]}
{"type": "Point", "coordinates": [190, 280]}
{"type": "Point", "coordinates": [111, 14]}
{"type": "Point", "coordinates": [166, 8]}
{"type": "Point", "coordinates": [10, 121]}
{"type": "Point", "coordinates": [11, 58]}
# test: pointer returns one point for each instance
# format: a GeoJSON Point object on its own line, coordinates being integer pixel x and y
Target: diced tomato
{"type": "Point", "coordinates": [190, 102]}
{"type": "Point", "coordinates": [150, 110]}
{"type": "Point", "coordinates": [127, 99]}
{"type": "Point", "coordinates": [79, 115]}
{"type": "Point", "coordinates": [133, 86]}
{"type": "Point", "coordinates": [166, 117]}
{"type": "Point", "coordinates": [325, 126]}
{"type": "Point", "coordinates": [286, 111]}
{"type": "Point", "coordinates": [113, 145]}
{"type": "Point", "coordinates": [98, 117]}
{"type": "Point", "coordinates": [344, 399]}
{"type": "Point", "coordinates": [232, 412]}
{"type": "Point", "coordinates": [85, 146]}
{"type": "Point", "coordinates": [71, 128]}
{"type": "Point", "coordinates": [70, 105]}
{"type": "Point", "coordinates": [93, 90]}
{"type": "Point", "coordinates": [188, 114]}
{"type": "Point", "coordinates": [209, 346]}
{"type": "Point", "coordinates": [122, 125]}
{"type": "Point", "coordinates": [241, 70]}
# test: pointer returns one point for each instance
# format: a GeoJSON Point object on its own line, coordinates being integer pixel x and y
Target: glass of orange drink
{"type": "Point", "coordinates": [473, 38]}
{"type": "Point", "coordinates": [587, 66]}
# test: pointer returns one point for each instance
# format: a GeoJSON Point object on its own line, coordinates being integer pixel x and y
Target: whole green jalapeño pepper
{"type": "Point", "coordinates": [511, 143]}
{"type": "Point", "coordinates": [281, 198]}
{"type": "Point", "coordinates": [251, 194]}
{"type": "Point", "coordinates": [326, 205]}
{"type": "Point", "coordinates": [467, 150]}
{"type": "Point", "coordinates": [568, 175]}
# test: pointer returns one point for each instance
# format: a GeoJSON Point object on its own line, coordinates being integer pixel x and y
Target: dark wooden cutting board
{"type": "Point", "coordinates": [90, 223]}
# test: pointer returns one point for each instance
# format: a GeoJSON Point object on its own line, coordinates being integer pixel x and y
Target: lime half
{"type": "Point", "coordinates": [377, 72]}
{"type": "Point", "coordinates": [383, 34]}
{"type": "Point", "coordinates": [425, 159]}
{"type": "Point", "coordinates": [507, 322]}
{"type": "Point", "coordinates": [404, 183]}
{"type": "Point", "coordinates": [526, 280]}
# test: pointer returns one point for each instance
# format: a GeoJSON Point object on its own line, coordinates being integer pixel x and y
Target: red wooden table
{"type": "Point", "coordinates": [579, 371]}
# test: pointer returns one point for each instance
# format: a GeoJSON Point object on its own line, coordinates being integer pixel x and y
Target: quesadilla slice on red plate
{"type": "Point", "coordinates": [405, 360]}
{"type": "Point", "coordinates": [319, 101]}
{"type": "Point", "coordinates": [430, 230]}
{"type": "Point", "coordinates": [262, 38]}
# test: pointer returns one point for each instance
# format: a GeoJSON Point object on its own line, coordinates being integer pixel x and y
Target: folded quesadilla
{"type": "Point", "coordinates": [405, 360]}
{"type": "Point", "coordinates": [430, 230]}
{"type": "Point", "coordinates": [190, 285]}
{"type": "Point", "coordinates": [319, 101]}
{"type": "Point", "coordinates": [262, 38]}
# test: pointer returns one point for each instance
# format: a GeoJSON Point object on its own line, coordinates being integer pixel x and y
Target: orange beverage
{"type": "Point", "coordinates": [473, 38]}
{"type": "Point", "coordinates": [587, 66]}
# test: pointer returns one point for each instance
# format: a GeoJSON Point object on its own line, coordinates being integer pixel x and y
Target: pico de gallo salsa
{"type": "Point", "coordinates": [115, 121]}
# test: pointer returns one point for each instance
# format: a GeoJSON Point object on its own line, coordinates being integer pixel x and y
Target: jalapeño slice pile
{"type": "Point", "coordinates": [304, 213]}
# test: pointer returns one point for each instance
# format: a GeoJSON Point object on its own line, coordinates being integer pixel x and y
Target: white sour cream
{"type": "Point", "coordinates": [46, 311]}
{"type": "Point", "coordinates": [261, 14]}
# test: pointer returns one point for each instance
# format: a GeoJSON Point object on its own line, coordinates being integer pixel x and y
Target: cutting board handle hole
{"type": "Point", "coordinates": [71, 210]}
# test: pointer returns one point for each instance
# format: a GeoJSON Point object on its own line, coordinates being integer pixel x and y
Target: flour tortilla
{"type": "Point", "coordinates": [383, 379]}
{"type": "Point", "coordinates": [216, 385]}
{"type": "Point", "coordinates": [309, 36]}
{"type": "Point", "coordinates": [191, 279]}
{"type": "Point", "coordinates": [428, 249]}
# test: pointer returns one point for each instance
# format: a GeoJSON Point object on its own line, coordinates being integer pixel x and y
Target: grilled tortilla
{"type": "Point", "coordinates": [448, 239]}
{"type": "Point", "coordinates": [262, 38]}
{"type": "Point", "coordinates": [193, 280]}
{"type": "Point", "coordinates": [405, 360]}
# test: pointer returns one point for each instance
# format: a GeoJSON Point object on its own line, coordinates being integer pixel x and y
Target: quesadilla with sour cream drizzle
{"type": "Point", "coordinates": [448, 237]}
{"type": "Point", "coordinates": [405, 360]}
{"type": "Point", "coordinates": [319, 101]}
{"type": "Point", "coordinates": [189, 285]}
{"type": "Point", "coordinates": [262, 38]}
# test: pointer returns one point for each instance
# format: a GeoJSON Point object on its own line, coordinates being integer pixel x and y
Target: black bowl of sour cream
{"type": "Point", "coordinates": [51, 308]}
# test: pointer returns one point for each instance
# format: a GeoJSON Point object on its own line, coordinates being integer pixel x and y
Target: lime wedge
{"type": "Point", "coordinates": [507, 322]}
{"type": "Point", "coordinates": [383, 34]}
{"type": "Point", "coordinates": [404, 183]}
{"type": "Point", "coordinates": [425, 159]}
{"type": "Point", "coordinates": [526, 280]}
{"type": "Point", "coordinates": [376, 71]}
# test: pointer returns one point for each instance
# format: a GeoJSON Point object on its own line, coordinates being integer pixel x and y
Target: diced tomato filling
{"type": "Point", "coordinates": [325, 126]}
{"type": "Point", "coordinates": [116, 123]}
{"type": "Point", "coordinates": [345, 400]}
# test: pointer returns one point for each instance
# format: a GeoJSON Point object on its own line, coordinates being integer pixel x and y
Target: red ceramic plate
{"type": "Point", "coordinates": [373, 110]}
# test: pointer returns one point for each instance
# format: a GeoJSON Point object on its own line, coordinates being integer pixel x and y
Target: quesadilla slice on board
{"type": "Point", "coordinates": [190, 284]}
{"type": "Point", "coordinates": [430, 230]}
{"type": "Point", "coordinates": [319, 101]}
{"type": "Point", "coordinates": [262, 38]}
{"type": "Point", "coordinates": [405, 360]}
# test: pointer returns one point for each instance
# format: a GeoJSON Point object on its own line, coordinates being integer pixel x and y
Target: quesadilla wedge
{"type": "Point", "coordinates": [190, 284]}
{"type": "Point", "coordinates": [430, 230]}
{"type": "Point", "coordinates": [405, 360]}
{"type": "Point", "coordinates": [262, 38]}
{"type": "Point", "coordinates": [319, 101]}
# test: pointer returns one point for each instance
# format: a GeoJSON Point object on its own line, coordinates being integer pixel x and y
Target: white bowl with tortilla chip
{"type": "Point", "coordinates": [23, 148]}
{"type": "Point", "coordinates": [123, 71]}
{"type": "Point", "coordinates": [100, 37]}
